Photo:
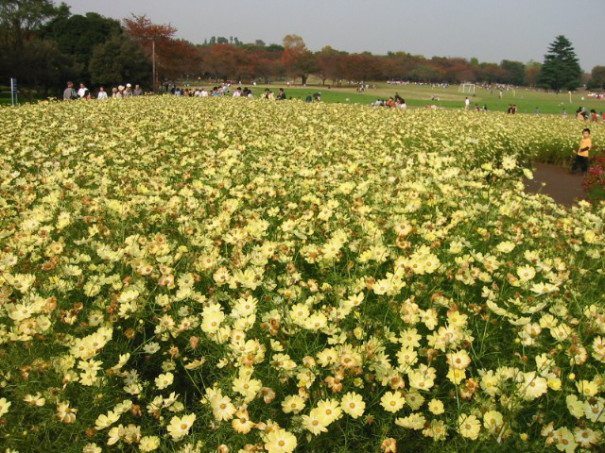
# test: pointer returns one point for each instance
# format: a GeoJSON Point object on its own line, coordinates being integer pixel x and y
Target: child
{"type": "Point", "coordinates": [582, 153]}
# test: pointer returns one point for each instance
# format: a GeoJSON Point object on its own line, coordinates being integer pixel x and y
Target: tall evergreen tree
{"type": "Point", "coordinates": [561, 69]}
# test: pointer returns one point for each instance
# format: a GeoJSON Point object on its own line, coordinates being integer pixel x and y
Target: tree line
{"type": "Point", "coordinates": [44, 45]}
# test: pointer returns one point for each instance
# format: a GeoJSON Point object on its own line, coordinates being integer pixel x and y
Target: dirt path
{"type": "Point", "coordinates": [559, 184]}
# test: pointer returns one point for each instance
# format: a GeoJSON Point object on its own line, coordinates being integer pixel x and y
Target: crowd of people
{"type": "Point", "coordinates": [121, 91]}
{"type": "Point", "coordinates": [393, 102]}
{"type": "Point", "coordinates": [124, 91]}
{"type": "Point", "coordinates": [224, 90]}
{"type": "Point", "coordinates": [584, 115]}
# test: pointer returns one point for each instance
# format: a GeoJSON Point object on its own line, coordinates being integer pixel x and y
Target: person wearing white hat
{"type": "Point", "coordinates": [128, 90]}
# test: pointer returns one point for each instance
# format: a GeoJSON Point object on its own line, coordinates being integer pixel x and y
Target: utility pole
{"type": "Point", "coordinates": [153, 64]}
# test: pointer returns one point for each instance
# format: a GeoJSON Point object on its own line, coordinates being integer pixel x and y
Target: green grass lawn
{"type": "Point", "coordinates": [526, 99]}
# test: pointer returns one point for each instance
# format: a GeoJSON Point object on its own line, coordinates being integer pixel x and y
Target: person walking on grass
{"type": "Point", "coordinates": [582, 153]}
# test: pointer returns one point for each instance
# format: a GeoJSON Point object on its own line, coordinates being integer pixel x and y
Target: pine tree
{"type": "Point", "coordinates": [561, 69]}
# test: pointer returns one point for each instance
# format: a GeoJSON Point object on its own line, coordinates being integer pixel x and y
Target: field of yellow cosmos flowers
{"type": "Point", "coordinates": [202, 275]}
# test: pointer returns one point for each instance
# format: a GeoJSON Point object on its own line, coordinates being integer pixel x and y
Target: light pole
{"type": "Point", "coordinates": [153, 64]}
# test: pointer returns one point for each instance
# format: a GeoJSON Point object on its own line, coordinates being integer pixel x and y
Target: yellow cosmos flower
{"type": "Point", "coordinates": [469, 426]}
{"type": "Point", "coordinates": [179, 426]}
{"type": "Point", "coordinates": [280, 441]}
{"type": "Point", "coordinates": [392, 402]}
{"type": "Point", "coordinates": [352, 404]}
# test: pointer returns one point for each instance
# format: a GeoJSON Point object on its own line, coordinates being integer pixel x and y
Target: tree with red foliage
{"type": "Point", "coordinates": [361, 67]}
{"type": "Point", "coordinates": [223, 61]}
{"type": "Point", "coordinates": [329, 64]}
{"type": "Point", "coordinates": [265, 64]}
{"type": "Point", "coordinates": [297, 59]}
{"type": "Point", "coordinates": [174, 58]}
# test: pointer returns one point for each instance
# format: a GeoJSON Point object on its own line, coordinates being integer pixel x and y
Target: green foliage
{"type": "Point", "coordinates": [43, 65]}
{"type": "Point", "coordinates": [119, 60]}
{"type": "Point", "coordinates": [78, 35]}
{"type": "Point", "coordinates": [38, 64]}
{"type": "Point", "coordinates": [20, 18]}
{"type": "Point", "coordinates": [597, 78]}
{"type": "Point", "coordinates": [425, 73]}
{"type": "Point", "coordinates": [595, 179]}
{"type": "Point", "coordinates": [515, 70]}
{"type": "Point", "coordinates": [561, 69]}
{"type": "Point", "coordinates": [32, 61]}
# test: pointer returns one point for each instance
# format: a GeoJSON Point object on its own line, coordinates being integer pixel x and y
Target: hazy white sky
{"type": "Point", "coordinates": [491, 30]}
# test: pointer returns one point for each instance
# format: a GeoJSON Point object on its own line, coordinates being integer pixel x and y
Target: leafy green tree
{"type": "Point", "coordinates": [119, 60]}
{"type": "Point", "coordinates": [39, 65]}
{"type": "Point", "coordinates": [532, 71]}
{"type": "Point", "coordinates": [275, 48]}
{"type": "Point", "coordinates": [36, 63]}
{"type": "Point", "coordinates": [44, 67]}
{"type": "Point", "coordinates": [515, 71]}
{"type": "Point", "coordinates": [20, 20]}
{"type": "Point", "coordinates": [425, 73]}
{"type": "Point", "coordinates": [561, 69]}
{"type": "Point", "coordinates": [78, 35]}
{"type": "Point", "coordinates": [597, 78]}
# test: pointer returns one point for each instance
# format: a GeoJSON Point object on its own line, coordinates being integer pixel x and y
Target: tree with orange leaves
{"type": "Point", "coordinates": [297, 59]}
{"type": "Point", "coordinates": [174, 58]}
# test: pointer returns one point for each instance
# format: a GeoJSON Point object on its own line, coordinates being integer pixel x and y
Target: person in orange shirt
{"type": "Point", "coordinates": [582, 153]}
